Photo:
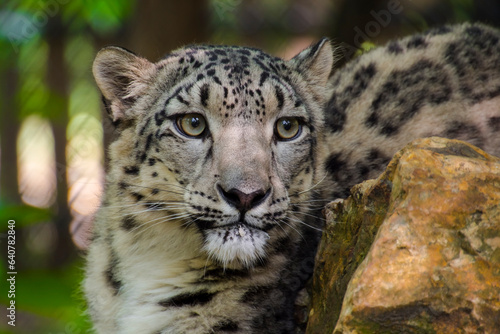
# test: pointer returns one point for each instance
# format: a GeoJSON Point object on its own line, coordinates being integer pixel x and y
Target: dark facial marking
{"type": "Point", "coordinates": [263, 78]}
{"type": "Point", "coordinates": [137, 196]}
{"type": "Point", "coordinates": [123, 185]}
{"type": "Point", "coordinates": [204, 94]}
{"type": "Point", "coordinates": [189, 299]}
{"type": "Point", "coordinates": [110, 274]}
{"type": "Point", "coordinates": [128, 223]}
{"type": "Point", "coordinates": [174, 95]}
{"type": "Point", "coordinates": [160, 117]}
{"type": "Point", "coordinates": [143, 129]}
{"type": "Point", "coordinates": [279, 96]}
{"type": "Point", "coordinates": [225, 326]}
{"type": "Point", "coordinates": [219, 274]}
{"type": "Point", "coordinates": [131, 170]}
{"type": "Point", "coordinates": [181, 100]}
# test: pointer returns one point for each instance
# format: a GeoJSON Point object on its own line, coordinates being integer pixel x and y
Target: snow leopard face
{"type": "Point", "coordinates": [217, 146]}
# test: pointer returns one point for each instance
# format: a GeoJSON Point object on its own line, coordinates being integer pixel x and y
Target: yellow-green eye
{"type": "Point", "coordinates": [192, 125]}
{"type": "Point", "coordinates": [287, 128]}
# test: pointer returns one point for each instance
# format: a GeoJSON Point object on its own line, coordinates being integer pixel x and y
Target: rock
{"type": "Point", "coordinates": [415, 251]}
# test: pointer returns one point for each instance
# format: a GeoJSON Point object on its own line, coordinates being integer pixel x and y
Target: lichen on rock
{"type": "Point", "coordinates": [415, 251]}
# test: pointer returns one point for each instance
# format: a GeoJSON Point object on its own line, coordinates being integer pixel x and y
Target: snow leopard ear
{"type": "Point", "coordinates": [122, 77]}
{"type": "Point", "coordinates": [315, 62]}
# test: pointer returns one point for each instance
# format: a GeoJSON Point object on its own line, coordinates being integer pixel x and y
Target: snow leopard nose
{"type": "Point", "coordinates": [243, 201]}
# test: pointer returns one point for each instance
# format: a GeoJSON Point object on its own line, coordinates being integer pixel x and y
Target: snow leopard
{"type": "Point", "coordinates": [225, 156]}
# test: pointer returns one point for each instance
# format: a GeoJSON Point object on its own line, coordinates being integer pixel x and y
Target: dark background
{"type": "Point", "coordinates": [51, 134]}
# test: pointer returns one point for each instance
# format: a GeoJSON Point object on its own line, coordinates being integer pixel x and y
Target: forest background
{"type": "Point", "coordinates": [53, 132]}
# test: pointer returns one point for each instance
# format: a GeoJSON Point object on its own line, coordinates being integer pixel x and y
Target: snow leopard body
{"type": "Point", "coordinates": [226, 155]}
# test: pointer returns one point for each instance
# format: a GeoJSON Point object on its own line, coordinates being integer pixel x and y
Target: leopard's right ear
{"type": "Point", "coordinates": [122, 77]}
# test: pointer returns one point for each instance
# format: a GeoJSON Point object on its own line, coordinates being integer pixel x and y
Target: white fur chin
{"type": "Point", "coordinates": [236, 246]}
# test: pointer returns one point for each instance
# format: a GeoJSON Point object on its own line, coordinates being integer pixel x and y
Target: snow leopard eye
{"type": "Point", "coordinates": [191, 125]}
{"type": "Point", "coordinates": [288, 128]}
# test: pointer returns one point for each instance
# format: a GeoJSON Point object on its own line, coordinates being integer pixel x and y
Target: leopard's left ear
{"type": "Point", "coordinates": [315, 62]}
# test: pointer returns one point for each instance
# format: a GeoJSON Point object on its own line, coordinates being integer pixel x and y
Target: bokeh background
{"type": "Point", "coordinates": [53, 133]}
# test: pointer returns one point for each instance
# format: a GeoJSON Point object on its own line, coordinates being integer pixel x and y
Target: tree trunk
{"type": "Point", "coordinates": [58, 82]}
{"type": "Point", "coordinates": [9, 129]}
{"type": "Point", "coordinates": [162, 26]}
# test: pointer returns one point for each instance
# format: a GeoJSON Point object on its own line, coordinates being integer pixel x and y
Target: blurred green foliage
{"type": "Point", "coordinates": [24, 215]}
{"type": "Point", "coordinates": [48, 301]}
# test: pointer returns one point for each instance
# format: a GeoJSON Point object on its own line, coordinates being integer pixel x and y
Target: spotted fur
{"type": "Point", "coordinates": [445, 82]}
{"type": "Point", "coordinates": [217, 233]}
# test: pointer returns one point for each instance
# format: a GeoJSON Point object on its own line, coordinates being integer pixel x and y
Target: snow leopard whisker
{"type": "Point", "coordinates": [147, 228]}
{"type": "Point", "coordinates": [278, 221]}
{"type": "Point", "coordinates": [122, 206]}
{"type": "Point", "coordinates": [295, 219]}
{"type": "Point", "coordinates": [292, 227]}
{"type": "Point", "coordinates": [153, 209]}
{"type": "Point", "coordinates": [166, 184]}
{"type": "Point", "coordinates": [191, 221]}
{"type": "Point", "coordinates": [308, 206]}
{"type": "Point", "coordinates": [169, 217]}
{"type": "Point", "coordinates": [205, 267]}
{"type": "Point", "coordinates": [313, 216]}
{"type": "Point", "coordinates": [313, 187]}
{"type": "Point", "coordinates": [316, 200]}
{"type": "Point", "coordinates": [164, 203]}
{"type": "Point", "coordinates": [152, 188]}
{"type": "Point", "coordinates": [164, 220]}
